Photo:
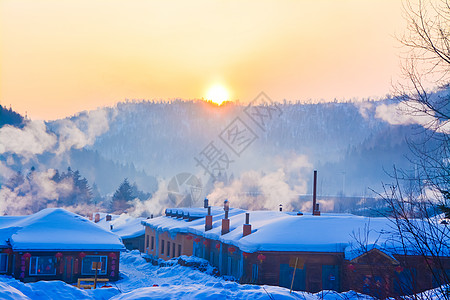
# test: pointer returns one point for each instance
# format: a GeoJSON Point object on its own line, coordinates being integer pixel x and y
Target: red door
{"type": "Point", "coordinates": [68, 269]}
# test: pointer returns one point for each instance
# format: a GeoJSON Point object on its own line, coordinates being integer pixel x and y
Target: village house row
{"type": "Point", "coordinates": [265, 247]}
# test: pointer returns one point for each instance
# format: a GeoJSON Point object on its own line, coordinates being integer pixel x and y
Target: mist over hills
{"type": "Point", "coordinates": [352, 145]}
{"type": "Point", "coordinates": [339, 139]}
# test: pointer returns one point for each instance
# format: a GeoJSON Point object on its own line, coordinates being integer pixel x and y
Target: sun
{"type": "Point", "coordinates": [217, 94]}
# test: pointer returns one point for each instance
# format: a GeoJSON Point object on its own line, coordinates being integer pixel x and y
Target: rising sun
{"type": "Point", "coordinates": [217, 94]}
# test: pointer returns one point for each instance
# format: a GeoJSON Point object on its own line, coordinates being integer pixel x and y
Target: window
{"type": "Point", "coordinates": [43, 265]}
{"type": "Point", "coordinates": [86, 267]}
{"type": "Point", "coordinates": [173, 250]}
{"type": "Point", "coordinates": [3, 263]}
{"type": "Point", "coordinates": [168, 248]}
{"type": "Point", "coordinates": [153, 242]}
{"type": "Point", "coordinates": [179, 250]}
{"type": "Point", "coordinates": [162, 246]}
{"type": "Point", "coordinates": [146, 241]}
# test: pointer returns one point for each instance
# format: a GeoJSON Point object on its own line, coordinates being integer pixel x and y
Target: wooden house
{"type": "Point", "coordinates": [55, 244]}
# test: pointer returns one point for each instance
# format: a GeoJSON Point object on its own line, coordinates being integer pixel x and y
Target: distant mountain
{"type": "Point", "coordinates": [351, 148]}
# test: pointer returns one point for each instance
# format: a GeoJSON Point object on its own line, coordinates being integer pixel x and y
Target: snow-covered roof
{"type": "Point", "coordinates": [193, 212]}
{"type": "Point", "coordinates": [280, 231]}
{"type": "Point", "coordinates": [56, 229]}
{"type": "Point", "coordinates": [123, 225]}
{"type": "Point", "coordinates": [173, 224]}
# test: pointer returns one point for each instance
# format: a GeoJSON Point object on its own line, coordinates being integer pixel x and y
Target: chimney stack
{"type": "Point", "coordinates": [97, 218]}
{"type": "Point", "coordinates": [316, 211]}
{"type": "Point", "coordinates": [208, 220]}
{"type": "Point", "coordinates": [205, 203]}
{"type": "Point", "coordinates": [281, 207]}
{"type": "Point", "coordinates": [226, 221]}
{"type": "Point", "coordinates": [247, 228]}
{"type": "Point", "coordinates": [108, 217]}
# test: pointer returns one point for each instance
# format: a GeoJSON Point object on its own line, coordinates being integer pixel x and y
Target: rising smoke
{"type": "Point", "coordinates": [39, 190]}
{"type": "Point", "coordinates": [258, 190]}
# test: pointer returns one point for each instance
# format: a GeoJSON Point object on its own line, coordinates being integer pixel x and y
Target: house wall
{"type": "Point", "coordinates": [181, 242]}
{"type": "Point", "coordinates": [68, 267]}
{"type": "Point", "coordinates": [135, 243]}
{"type": "Point", "coordinates": [315, 271]}
{"type": "Point", "coordinates": [380, 278]}
{"type": "Point", "coordinates": [376, 275]}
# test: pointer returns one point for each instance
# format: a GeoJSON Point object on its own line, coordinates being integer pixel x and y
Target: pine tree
{"type": "Point", "coordinates": [122, 196]}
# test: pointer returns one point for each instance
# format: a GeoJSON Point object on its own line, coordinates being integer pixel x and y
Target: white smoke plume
{"type": "Point", "coordinates": [82, 131]}
{"type": "Point", "coordinates": [260, 190]}
{"type": "Point", "coordinates": [155, 205]}
{"type": "Point", "coordinates": [364, 108]}
{"type": "Point", "coordinates": [27, 142]}
{"type": "Point", "coordinates": [409, 113]}
{"type": "Point", "coordinates": [5, 172]}
{"type": "Point", "coordinates": [37, 191]}
{"type": "Point", "coordinates": [35, 138]}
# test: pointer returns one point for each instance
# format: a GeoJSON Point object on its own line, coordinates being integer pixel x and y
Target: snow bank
{"type": "Point", "coordinates": [14, 289]}
{"type": "Point", "coordinates": [172, 281]}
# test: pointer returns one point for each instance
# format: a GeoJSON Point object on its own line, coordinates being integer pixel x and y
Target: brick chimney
{"type": "Point", "coordinates": [208, 220]}
{"type": "Point", "coordinates": [226, 221]}
{"type": "Point", "coordinates": [225, 226]}
{"type": "Point", "coordinates": [108, 217]}
{"type": "Point", "coordinates": [97, 218]}
{"type": "Point", "coordinates": [247, 228]}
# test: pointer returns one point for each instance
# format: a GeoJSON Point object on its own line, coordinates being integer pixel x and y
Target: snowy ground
{"type": "Point", "coordinates": [173, 282]}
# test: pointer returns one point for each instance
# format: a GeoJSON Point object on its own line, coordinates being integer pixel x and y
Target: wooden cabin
{"type": "Point", "coordinates": [55, 244]}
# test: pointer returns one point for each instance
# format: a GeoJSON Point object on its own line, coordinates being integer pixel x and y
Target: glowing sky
{"type": "Point", "coordinates": [60, 57]}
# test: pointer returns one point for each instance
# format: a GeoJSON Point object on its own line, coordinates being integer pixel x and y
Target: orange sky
{"type": "Point", "coordinates": [58, 57]}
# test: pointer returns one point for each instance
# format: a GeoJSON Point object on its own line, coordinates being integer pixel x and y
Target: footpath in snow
{"type": "Point", "coordinates": [172, 281]}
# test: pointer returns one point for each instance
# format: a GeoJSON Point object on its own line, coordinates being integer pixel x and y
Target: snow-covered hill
{"type": "Point", "coordinates": [347, 142]}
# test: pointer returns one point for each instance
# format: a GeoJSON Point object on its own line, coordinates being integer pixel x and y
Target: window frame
{"type": "Point", "coordinates": [7, 261]}
{"type": "Point", "coordinates": [37, 263]}
{"type": "Point", "coordinates": [100, 272]}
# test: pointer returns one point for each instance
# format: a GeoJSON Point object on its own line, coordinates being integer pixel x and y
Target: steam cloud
{"type": "Point", "coordinates": [156, 204]}
{"type": "Point", "coordinates": [27, 142]}
{"type": "Point", "coordinates": [258, 190]}
{"type": "Point", "coordinates": [81, 132]}
{"type": "Point", "coordinates": [409, 113]}
{"type": "Point", "coordinates": [39, 191]}
{"type": "Point", "coordinates": [34, 194]}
